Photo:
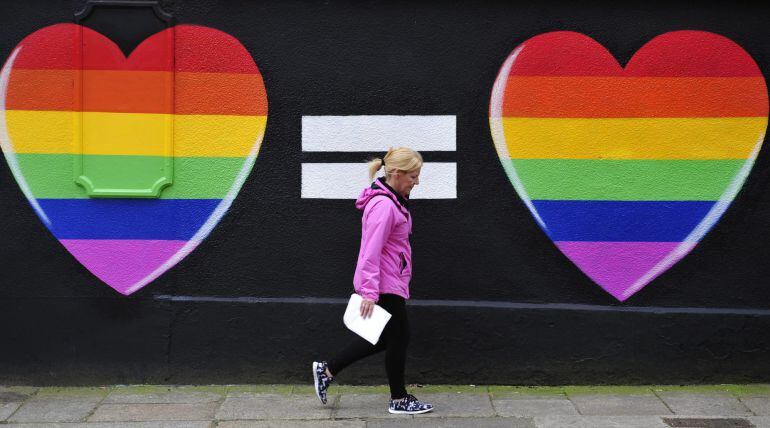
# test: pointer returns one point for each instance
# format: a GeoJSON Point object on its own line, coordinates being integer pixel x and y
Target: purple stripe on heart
{"type": "Point", "coordinates": [127, 264]}
{"type": "Point", "coordinates": [622, 268]}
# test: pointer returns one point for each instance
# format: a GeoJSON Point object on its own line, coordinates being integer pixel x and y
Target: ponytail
{"type": "Point", "coordinates": [374, 166]}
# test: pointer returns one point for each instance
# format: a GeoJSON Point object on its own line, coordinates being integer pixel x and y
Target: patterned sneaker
{"type": "Point", "coordinates": [410, 406]}
{"type": "Point", "coordinates": [322, 381]}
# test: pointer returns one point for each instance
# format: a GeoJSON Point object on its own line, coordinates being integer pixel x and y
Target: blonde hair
{"type": "Point", "coordinates": [397, 159]}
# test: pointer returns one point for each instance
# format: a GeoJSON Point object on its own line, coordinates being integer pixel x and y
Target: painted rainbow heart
{"type": "Point", "coordinates": [131, 162]}
{"type": "Point", "coordinates": [627, 169]}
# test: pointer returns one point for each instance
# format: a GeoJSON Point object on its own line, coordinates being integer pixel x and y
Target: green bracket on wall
{"type": "Point", "coordinates": [125, 121]}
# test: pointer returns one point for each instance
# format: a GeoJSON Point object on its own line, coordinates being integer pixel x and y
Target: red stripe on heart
{"type": "Point", "coordinates": [674, 54]}
{"type": "Point", "coordinates": [55, 49]}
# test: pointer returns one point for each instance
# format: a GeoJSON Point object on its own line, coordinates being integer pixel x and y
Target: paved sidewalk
{"type": "Point", "coordinates": [456, 406]}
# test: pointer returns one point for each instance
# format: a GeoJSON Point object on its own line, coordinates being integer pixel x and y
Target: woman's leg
{"type": "Point", "coordinates": [359, 348]}
{"type": "Point", "coordinates": [396, 343]}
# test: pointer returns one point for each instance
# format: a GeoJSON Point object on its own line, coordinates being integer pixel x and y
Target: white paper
{"type": "Point", "coordinates": [369, 328]}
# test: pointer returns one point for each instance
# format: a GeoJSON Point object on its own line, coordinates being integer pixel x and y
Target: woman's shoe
{"type": "Point", "coordinates": [409, 406]}
{"type": "Point", "coordinates": [321, 379]}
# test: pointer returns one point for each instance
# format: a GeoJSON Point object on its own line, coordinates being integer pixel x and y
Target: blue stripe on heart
{"type": "Point", "coordinates": [162, 219]}
{"type": "Point", "coordinates": [639, 221]}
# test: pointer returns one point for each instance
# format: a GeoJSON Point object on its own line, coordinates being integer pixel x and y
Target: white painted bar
{"type": "Point", "coordinates": [378, 133]}
{"type": "Point", "coordinates": [438, 180]}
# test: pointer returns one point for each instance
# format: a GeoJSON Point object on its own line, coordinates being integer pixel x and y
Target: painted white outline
{"type": "Point", "coordinates": [705, 225]}
{"type": "Point", "coordinates": [498, 134]}
{"type": "Point", "coordinates": [211, 222]}
{"type": "Point", "coordinates": [7, 146]}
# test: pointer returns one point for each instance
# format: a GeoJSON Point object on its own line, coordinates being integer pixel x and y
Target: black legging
{"type": "Point", "coordinates": [394, 339]}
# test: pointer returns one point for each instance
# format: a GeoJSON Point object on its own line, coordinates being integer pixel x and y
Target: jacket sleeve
{"type": "Point", "coordinates": [377, 226]}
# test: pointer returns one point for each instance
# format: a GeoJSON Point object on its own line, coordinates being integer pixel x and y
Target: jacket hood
{"type": "Point", "coordinates": [379, 187]}
{"type": "Point", "coordinates": [367, 194]}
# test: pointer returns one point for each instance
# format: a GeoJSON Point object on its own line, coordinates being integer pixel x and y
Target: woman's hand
{"type": "Point", "coordinates": [367, 307]}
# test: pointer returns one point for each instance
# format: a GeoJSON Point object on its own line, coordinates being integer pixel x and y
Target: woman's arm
{"type": "Point", "coordinates": [377, 226]}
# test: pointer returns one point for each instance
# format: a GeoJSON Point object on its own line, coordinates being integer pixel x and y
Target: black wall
{"type": "Point", "coordinates": [61, 325]}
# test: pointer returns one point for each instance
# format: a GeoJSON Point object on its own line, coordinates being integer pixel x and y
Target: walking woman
{"type": "Point", "coordinates": [382, 275]}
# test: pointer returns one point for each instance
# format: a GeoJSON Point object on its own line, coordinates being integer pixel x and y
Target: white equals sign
{"type": "Point", "coordinates": [438, 180]}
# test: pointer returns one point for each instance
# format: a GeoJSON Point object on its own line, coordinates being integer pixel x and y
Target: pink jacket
{"type": "Point", "coordinates": [385, 259]}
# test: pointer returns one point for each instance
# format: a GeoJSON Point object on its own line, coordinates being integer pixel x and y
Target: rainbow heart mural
{"type": "Point", "coordinates": [626, 169]}
{"type": "Point", "coordinates": [131, 162]}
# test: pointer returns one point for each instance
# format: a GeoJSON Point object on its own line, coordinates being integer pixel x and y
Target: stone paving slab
{"type": "Point", "coordinates": [599, 422]}
{"type": "Point", "coordinates": [73, 392]}
{"type": "Point", "coordinates": [12, 397]}
{"type": "Point", "coordinates": [707, 421]}
{"type": "Point", "coordinates": [153, 412]}
{"type": "Point", "coordinates": [171, 397]}
{"type": "Point", "coordinates": [705, 404]}
{"type": "Point", "coordinates": [760, 421]}
{"type": "Point", "coordinates": [758, 405]}
{"type": "Point", "coordinates": [619, 405]}
{"type": "Point", "coordinates": [7, 409]}
{"type": "Point", "coordinates": [24, 390]}
{"type": "Point", "coordinates": [263, 389]}
{"type": "Point", "coordinates": [458, 405]}
{"type": "Point", "coordinates": [293, 424]}
{"type": "Point", "coordinates": [274, 406]}
{"type": "Point", "coordinates": [56, 409]}
{"type": "Point", "coordinates": [237, 406]}
{"type": "Point", "coordinates": [533, 406]}
{"type": "Point", "coordinates": [364, 406]}
{"type": "Point", "coordinates": [453, 423]}
{"type": "Point", "coordinates": [153, 424]}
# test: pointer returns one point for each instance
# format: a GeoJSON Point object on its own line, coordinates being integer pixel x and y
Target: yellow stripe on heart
{"type": "Point", "coordinates": [136, 134]}
{"type": "Point", "coordinates": [632, 138]}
